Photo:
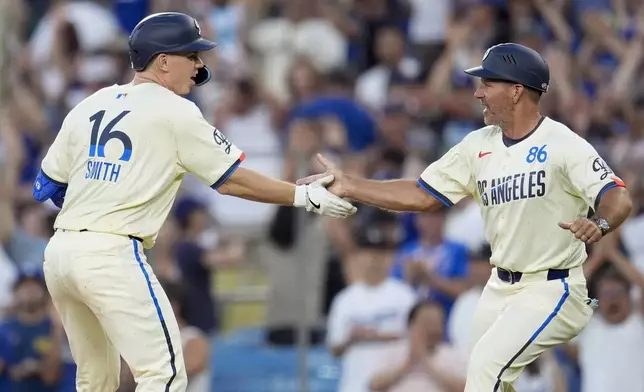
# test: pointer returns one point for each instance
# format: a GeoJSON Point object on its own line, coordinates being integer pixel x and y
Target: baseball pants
{"type": "Point", "coordinates": [111, 305]}
{"type": "Point", "coordinates": [515, 322]}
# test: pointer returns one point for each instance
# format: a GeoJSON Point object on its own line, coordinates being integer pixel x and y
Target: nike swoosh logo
{"type": "Point", "coordinates": [313, 204]}
{"type": "Point", "coordinates": [482, 154]}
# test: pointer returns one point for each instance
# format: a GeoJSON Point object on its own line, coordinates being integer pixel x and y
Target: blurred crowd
{"type": "Point", "coordinates": [377, 85]}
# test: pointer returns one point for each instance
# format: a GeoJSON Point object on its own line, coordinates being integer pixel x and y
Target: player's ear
{"type": "Point", "coordinates": [162, 61]}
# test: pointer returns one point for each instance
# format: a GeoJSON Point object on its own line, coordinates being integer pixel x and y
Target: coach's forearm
{"type": "Point", "coordinates": [615, 206]}
{"type": "Point", "coordinates": [251, 185]}
{"type": "Point", "coordinates": [395, 195]}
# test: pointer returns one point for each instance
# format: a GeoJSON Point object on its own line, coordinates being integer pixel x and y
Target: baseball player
{"type": "Point", "coordinates": [544, 193]}
{"type": "Point", "coordinates": [115, 168]}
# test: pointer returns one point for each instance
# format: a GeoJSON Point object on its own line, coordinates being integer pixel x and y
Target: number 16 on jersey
{"type": "Point", "coordinates": [101, 170]}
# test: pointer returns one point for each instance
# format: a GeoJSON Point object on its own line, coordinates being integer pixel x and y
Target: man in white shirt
{"type": "Point", "coordinates": [423, 362]}
{"type": "Point", "coordinates": [462, 314]}
{"type": "Point", "coordinates": [370, 314]}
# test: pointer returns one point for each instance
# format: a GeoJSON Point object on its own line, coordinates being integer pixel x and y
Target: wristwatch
{"type": "Point", "coordinates": [602, 224]}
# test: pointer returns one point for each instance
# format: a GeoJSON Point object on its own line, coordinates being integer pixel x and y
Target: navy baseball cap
{"type": "Point", "coordinates": [186, 206]}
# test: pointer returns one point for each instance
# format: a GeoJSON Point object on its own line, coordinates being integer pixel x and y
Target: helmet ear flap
{"type": "Point", "coordinates": [203, 76]}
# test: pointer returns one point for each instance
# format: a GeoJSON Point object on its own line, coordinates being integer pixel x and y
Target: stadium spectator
{"type": "Point", "coordinates": [369, 314]}
{"type": "Point", "coordinates": [461, 316]}
{"type": "Point", "coordinates": [543, 375]}
{"type": "Point", "coordinates": [435, 267]}
{"type": "Point", "coordinates": [423, 361]}
{"type": "Point", "coordinates": [372, 87]}
{"type": "Point", "coordinates": [33, 357]}
{"type": "Point", "coordinates": [198, 252]}
{"type": "Point", "coordinates": [196, 349]}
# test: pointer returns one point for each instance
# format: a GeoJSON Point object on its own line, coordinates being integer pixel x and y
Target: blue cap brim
{"type": "Point", "coordinates": [198, 45]}
{"type": "Point", "coordinates": [481, 72]}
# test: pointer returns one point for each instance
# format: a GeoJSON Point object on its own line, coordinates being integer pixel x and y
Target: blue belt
{"type": "Point", "coordinates": [515, 277]}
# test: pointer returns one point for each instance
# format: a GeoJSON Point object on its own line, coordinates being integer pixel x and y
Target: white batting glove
{"type": "Point", "coordinates": [314, 197]}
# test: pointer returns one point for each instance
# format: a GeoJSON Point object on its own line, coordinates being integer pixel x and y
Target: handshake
{"type": "Point", "coordinates": [322, 193]}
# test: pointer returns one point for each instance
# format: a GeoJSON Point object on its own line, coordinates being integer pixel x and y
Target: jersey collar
{"type": "Point", "coordinates": [511, 142]}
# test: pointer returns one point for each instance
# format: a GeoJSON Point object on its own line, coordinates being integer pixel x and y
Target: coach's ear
{"type": "Point", "coordinates": [517, 91]}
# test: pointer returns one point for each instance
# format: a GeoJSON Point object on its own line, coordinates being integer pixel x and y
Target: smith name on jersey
{"type": "Point", "coordinates": [525, 188]}
{"type": "Point", "coordinates": [99, 167]}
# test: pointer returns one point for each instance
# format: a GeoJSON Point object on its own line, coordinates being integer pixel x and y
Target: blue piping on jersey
{"type": "Point", "coordinates": [168, 341]}
{"type": "Point", "coordinates": [228, 173]}
{"type": "Point", "coordinates": [606, 187]}
{"type": "Point", "coordinates": [536, 333]}
{"type": "Point", "coordinates": [436, 194]}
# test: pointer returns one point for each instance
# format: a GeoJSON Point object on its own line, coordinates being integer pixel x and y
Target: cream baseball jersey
{"type": "Point", "coordinates": [524, 189]}
{"type": "Point", "coordinates": [123, 152]}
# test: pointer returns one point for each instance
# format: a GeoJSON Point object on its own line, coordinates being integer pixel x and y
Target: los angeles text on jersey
{"type": "Point", "coordinates": [103, 171]}
{"type": "Point", "coordinates": [511, 188]}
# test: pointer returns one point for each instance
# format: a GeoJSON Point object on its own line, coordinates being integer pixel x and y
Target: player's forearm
{"type": "Point", "coordinates": [615, 206]}
{"type": "Point", "coordinates": [251, 185]}
{"type": "Point", "coordinates": [395, 195]}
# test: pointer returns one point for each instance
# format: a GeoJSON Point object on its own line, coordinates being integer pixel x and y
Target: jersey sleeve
{"type": "Point", "coordinates": [57, 163]}
{"type": "Point", "coordinates": [588, 173]}
{"type": "Point", "coordinates": [203, 150]}
{"type": "Point", "coordinates": [449, 179]}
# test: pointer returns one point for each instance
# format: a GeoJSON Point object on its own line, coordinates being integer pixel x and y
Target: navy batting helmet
{"type": "Point", "coordinates": [514, 63]}
{"type": "Point", "coordinates": [168, 32]}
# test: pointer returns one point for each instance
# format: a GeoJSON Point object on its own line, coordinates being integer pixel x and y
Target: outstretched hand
{"type": "Point", "coordinates": [337, 187]}
{"type": "Point", "coordinates": [315, 197]}
{"type": "Point", "coordinates": [584, 229]}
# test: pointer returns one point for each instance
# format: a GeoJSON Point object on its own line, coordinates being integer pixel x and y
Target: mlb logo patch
{"type": "Point", "coordinates": [121, 95]}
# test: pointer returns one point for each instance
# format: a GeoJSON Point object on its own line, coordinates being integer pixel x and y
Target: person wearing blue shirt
{"type": "Point", "coordinates": [130, 12]}
{"type": "Point", "coordinates": [32, 356]}
{"type": "Point", "coordinates": [337, 102]}
{"type": "Point", "coordinates": [5, 352]}
{"type": "Point", "coordinates": [436, 267]}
